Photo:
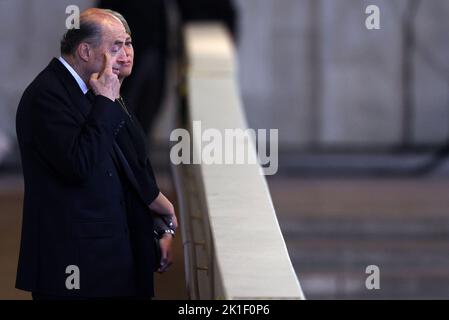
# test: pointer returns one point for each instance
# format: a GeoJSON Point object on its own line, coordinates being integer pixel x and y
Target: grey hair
{"type": "Point", "coordinates": [121, 18]}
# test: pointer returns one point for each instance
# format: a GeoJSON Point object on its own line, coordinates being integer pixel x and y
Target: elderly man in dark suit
{"type": "Point", "coordinates": [77, 240]}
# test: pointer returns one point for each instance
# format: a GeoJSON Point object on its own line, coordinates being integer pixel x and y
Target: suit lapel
{"type": "Point", "coordinates": [83, 106]}
{"type": "Point", "coordinates": [81, 103]}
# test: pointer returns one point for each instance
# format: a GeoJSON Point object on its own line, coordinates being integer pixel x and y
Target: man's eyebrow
{"type": "Point", "coordinates": [118, 42]}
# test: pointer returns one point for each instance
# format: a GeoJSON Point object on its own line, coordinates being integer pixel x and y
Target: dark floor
{"type": "Point", "coordinates": [335, 228]}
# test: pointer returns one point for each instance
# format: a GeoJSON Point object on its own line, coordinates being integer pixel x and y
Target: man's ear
{"type": "Point", "coordinates": [84, 51]}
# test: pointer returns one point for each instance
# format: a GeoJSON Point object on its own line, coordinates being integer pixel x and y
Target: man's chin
{"type": "Point", "coordinates": [125, 73]}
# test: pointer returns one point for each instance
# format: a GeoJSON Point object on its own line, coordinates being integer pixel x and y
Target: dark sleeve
{"type": "Point", "coordinates": [132, 142]}
{"type": "Point", "coordinates": [152, 188]}
{"type": "Point", "coordinates": [72, 148]}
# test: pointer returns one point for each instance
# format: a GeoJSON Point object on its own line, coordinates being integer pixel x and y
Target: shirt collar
{"type": "Point", "coordinates": [78, 79]}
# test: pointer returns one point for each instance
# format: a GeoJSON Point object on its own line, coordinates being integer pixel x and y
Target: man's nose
{"type": "Point", "coordinates": [127, 52]}
{"type": "Point", "coordinates": [121, 55]}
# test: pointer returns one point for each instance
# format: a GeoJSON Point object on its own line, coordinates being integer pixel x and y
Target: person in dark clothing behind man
{"type": "Point", "coordinates": [134, 145]}
{"type": "Point", "coordinates": [144, 88]}
{"type": "Point", "coordinates": [76, 240]}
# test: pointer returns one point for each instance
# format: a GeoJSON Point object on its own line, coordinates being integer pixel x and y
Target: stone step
{"type": "Point", "coordinates": [393, 228]}
{"type": "Point", "coordinates": [393, 285]}
{"type": "Point", "coordinates": [351, 259]}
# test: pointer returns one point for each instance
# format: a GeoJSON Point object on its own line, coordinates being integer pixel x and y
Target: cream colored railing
{"type": "Point", "coordinates": [233, 245]}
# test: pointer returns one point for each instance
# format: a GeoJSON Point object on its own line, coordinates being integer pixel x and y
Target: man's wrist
{"type": "Point", "coordinates": [163, 232]}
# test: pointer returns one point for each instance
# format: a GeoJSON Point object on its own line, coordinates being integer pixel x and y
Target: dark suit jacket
{"type": "Point", "coordinates": [75, 209]}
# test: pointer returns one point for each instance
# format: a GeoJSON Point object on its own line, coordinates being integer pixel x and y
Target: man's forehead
{"type": "Point", "coordinates": [114, 24]}
{"type": "Point", "coordinates": [115, 31]}
{"type": "Point", "coordinates": [109, 23]}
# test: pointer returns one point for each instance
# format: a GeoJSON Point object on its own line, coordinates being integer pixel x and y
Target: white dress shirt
{"type": "Point", "coordinates": [78, 79]}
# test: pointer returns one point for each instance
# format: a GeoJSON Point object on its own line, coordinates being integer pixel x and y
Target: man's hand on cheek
{"type": "Point", "coordinates": [106, 82]}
